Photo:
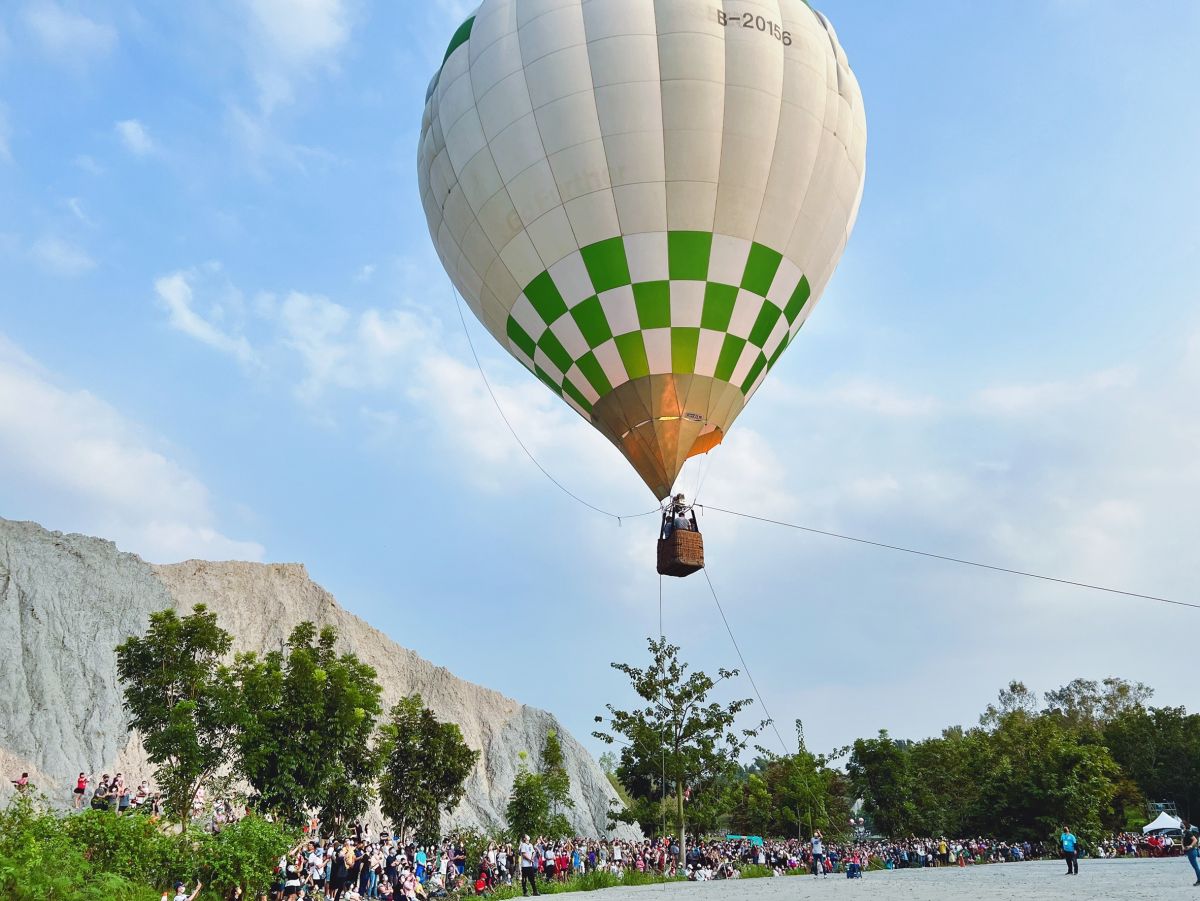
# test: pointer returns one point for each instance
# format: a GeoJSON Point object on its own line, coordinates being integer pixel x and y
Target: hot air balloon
{"type": "Point", "coordinates": [642, 200]}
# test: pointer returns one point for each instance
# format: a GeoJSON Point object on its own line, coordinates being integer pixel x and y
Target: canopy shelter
{"type": "Point", "coordinates": [1163, 821]}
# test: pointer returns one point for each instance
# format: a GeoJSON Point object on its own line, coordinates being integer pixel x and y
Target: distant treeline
{"type": "Point", "coordinates": [1089, 755]}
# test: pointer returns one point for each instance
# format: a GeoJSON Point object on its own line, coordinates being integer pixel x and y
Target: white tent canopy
{"type": "Point", "coordinates": [1163, 821]}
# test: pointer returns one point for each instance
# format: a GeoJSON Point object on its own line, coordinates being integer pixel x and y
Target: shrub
{"type": "Point", "coordinates": [243, 853]}
{"type": "Point", "coordinates": [755, 871]}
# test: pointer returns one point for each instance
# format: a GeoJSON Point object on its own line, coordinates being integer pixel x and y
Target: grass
{"type": "Point", "coordinates": [587, 882]}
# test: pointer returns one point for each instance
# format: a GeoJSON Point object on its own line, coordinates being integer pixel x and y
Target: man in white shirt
{"type": "Point", "coordinates": [528, 867]}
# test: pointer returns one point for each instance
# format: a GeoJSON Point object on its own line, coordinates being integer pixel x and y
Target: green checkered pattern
{"type": "Point", "coordinates": [639, 305]}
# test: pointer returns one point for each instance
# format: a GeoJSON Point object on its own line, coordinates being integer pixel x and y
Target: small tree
{"type": "Point", "coordinates": [679, 743]}
{"type": "Point", "coordinates": [425, 766]}
{"type": "Point", "coordinates": [182, 701]}
{"type": "Point", "coordinates": [558, 785]}
{"type": "Point", "coordinates": [528, 811]}
{"type": "Point", "coordinates": [306, 728]}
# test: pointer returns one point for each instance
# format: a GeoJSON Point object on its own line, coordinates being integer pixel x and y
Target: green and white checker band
{"type": "Point", "coordinates": [648, 304]}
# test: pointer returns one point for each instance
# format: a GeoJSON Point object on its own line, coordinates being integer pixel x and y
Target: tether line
{"type": "Point", "coordinates": [948, 559]}
{"type": "Point", "coordinates": [499, 409]}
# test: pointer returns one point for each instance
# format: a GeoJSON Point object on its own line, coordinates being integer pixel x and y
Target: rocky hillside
{"type": "Point", "coordinates": [67, 600]}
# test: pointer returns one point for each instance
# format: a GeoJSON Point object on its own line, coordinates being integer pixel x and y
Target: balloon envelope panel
{"type": "Point", "coordinates": [642, 200]}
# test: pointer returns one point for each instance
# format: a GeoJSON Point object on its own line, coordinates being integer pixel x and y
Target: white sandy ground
{"type": "Point", "coordinates": [1099, 880]}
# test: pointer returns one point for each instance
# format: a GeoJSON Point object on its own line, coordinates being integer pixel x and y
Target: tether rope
{"type": "Point", "coordinates": [964, 562]}
{"type": "Point", "coordinates": [745, 666]}
{"type": "Point", "coordinates": [499, 409]}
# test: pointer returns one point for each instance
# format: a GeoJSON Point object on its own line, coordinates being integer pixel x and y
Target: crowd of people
{"type": "Point", "coordinates": [376, 866]}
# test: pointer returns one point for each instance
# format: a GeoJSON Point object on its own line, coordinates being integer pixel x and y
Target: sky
{"type": "Point", "coordinates": [224, 333]}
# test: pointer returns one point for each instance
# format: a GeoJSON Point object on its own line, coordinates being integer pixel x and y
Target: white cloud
{"type": "Point", "coordinates": [135, 137]}
{"type": "Point", "coordinates": [1021, 399]}
{"type": "Point", "coordinates": [366, 273]}
{"type": "Point", "coordinates": [61, 257]}
{"type": "Point", "coordinates": [88, 164]}
{"type": "Point", "coordinates": [175, 293]}
{"type": "Point", "coordinates": [290, 38]}
{"type": "Point", "coordinates": [866, 395]}
{"type": "Point", "coordinates": [72, 37]}
{"type": "Point", "coordinates": [75, 205]}
{"type": "Point", "coordinates": [74, 462]}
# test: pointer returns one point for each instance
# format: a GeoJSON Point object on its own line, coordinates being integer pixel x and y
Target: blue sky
{"type": "Point", "coordinates": [224, 333]}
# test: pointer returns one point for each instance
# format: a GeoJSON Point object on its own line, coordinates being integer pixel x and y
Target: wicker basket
{"type": "Point", "coordinates": [681, 554]}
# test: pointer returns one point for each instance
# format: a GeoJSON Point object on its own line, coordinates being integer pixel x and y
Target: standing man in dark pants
{"type": "Point", "coordinates": [528, 867]}
{"type": "Point", "coordinates": [1068, 842]}
{"type": "Point", "coordinates": [1191, 847]}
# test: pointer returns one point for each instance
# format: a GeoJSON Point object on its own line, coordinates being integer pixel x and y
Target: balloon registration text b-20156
{"type": "Point", "coordinates": [750, 20]}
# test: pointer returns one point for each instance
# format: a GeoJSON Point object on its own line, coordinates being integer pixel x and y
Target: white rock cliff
{"type": "Point", "coordinates": [66, 601]}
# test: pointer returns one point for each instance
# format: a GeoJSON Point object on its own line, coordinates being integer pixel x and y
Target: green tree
{"type": "Point", "coordinates": [1159, 749]}
{"type": "Point", "coordinates": [678, 742]}
{"type": "Point", "coordinates": [879, 771]}
{"type": "Point", "coordinates": [1037, 774]}
{"type": "Point", "coordinates": [557, 783]}
{"type": "Point", "coordinates": [181, 700]}
{"type": "Point", "coordinates": [307, 721]}
{"type": "Point", "coordinates": [425, 767]}
{"type": "Point", "coordinates": [528, 810]}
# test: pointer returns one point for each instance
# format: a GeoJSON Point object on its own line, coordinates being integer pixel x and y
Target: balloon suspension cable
{"type": "Point", "coordinates": [1090, 586]}
{"type": "Point", "coordinates": [495, 400]}
{"type": "Point", "coordinates": [662, 804]}
{"type": "Point", "coordinates": [745, 667]}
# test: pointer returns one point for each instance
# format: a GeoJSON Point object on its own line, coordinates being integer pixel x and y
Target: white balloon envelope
{"type": "Point", "coordinates": [642, 200]}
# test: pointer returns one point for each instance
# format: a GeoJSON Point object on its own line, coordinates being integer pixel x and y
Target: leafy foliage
{"type": "Point", "coordinates": [306, 722]}
{"type": "Point", "coordinates": [528, 810]}
{"type": "Point", "coordinates": [425, 767]}
{"type": "Point", "coordinates": [678, 743]}
{"type": "Point", "coordinates": [182, 701]}
{"type": "Point", "coordinates": [97, 856]}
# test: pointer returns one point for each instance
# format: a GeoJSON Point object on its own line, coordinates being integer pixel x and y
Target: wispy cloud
{"type": "Point", "coordinates": [75, 205]}
{"type": "Point", "coordinates": [69, 36]}
{"type": "Point", "coordinates": [88, 164]}
{"type": "Point", "coordinates": [1041, 397]}
{"type": "Point", "coordinates": [61, 257]}
{"type": "Point", "coordinates": [89, 468]}
{"type": "Point", "coordinates": [291, 38]}
{"type": "Point", "coordinates": [135, 137]}
{"type": "Point", "coordinates": [175, 294]}
{"type": "Point", "coordinates": [865, 395]}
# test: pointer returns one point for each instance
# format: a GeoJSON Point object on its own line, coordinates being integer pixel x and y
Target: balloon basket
{"type": "Point", "coordinates": [680, 554]}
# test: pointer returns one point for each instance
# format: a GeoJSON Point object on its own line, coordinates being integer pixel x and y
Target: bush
{"type": "Point", "coordinates": [755, 871]}
{"type": "Point", "coordinates": [40, 861]}
{"type": "Point", "coordinates": [244, 853]}
{"type": "Point", "coordinates": [96, 855]}
{"type": "Point", "coordinates": [128, 846]}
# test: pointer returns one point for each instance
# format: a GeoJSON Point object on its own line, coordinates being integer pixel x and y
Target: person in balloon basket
{"type": "Point", "coordinates": [1070, 851]}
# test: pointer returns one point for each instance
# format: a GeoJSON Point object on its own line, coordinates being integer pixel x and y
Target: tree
{"type": "Point", "coordinates": [1159, 748]}
{"type": "Point", "coordinates": [182, 701]}
{"type": "Point", "coordinates": [425, 767]}
{"type": "Point", "coordinates": [679, 742]}
{"type": "Point", "coordinates": [528, 811]}
{"type": "Point", "coordinates": [1083, 704]}
{"type": "Point", "coordinates": [557, 783]}
{"type": "Point", "coordinates": [879, 771]}
{"type": "Point", "coordinates": [308, 718]}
